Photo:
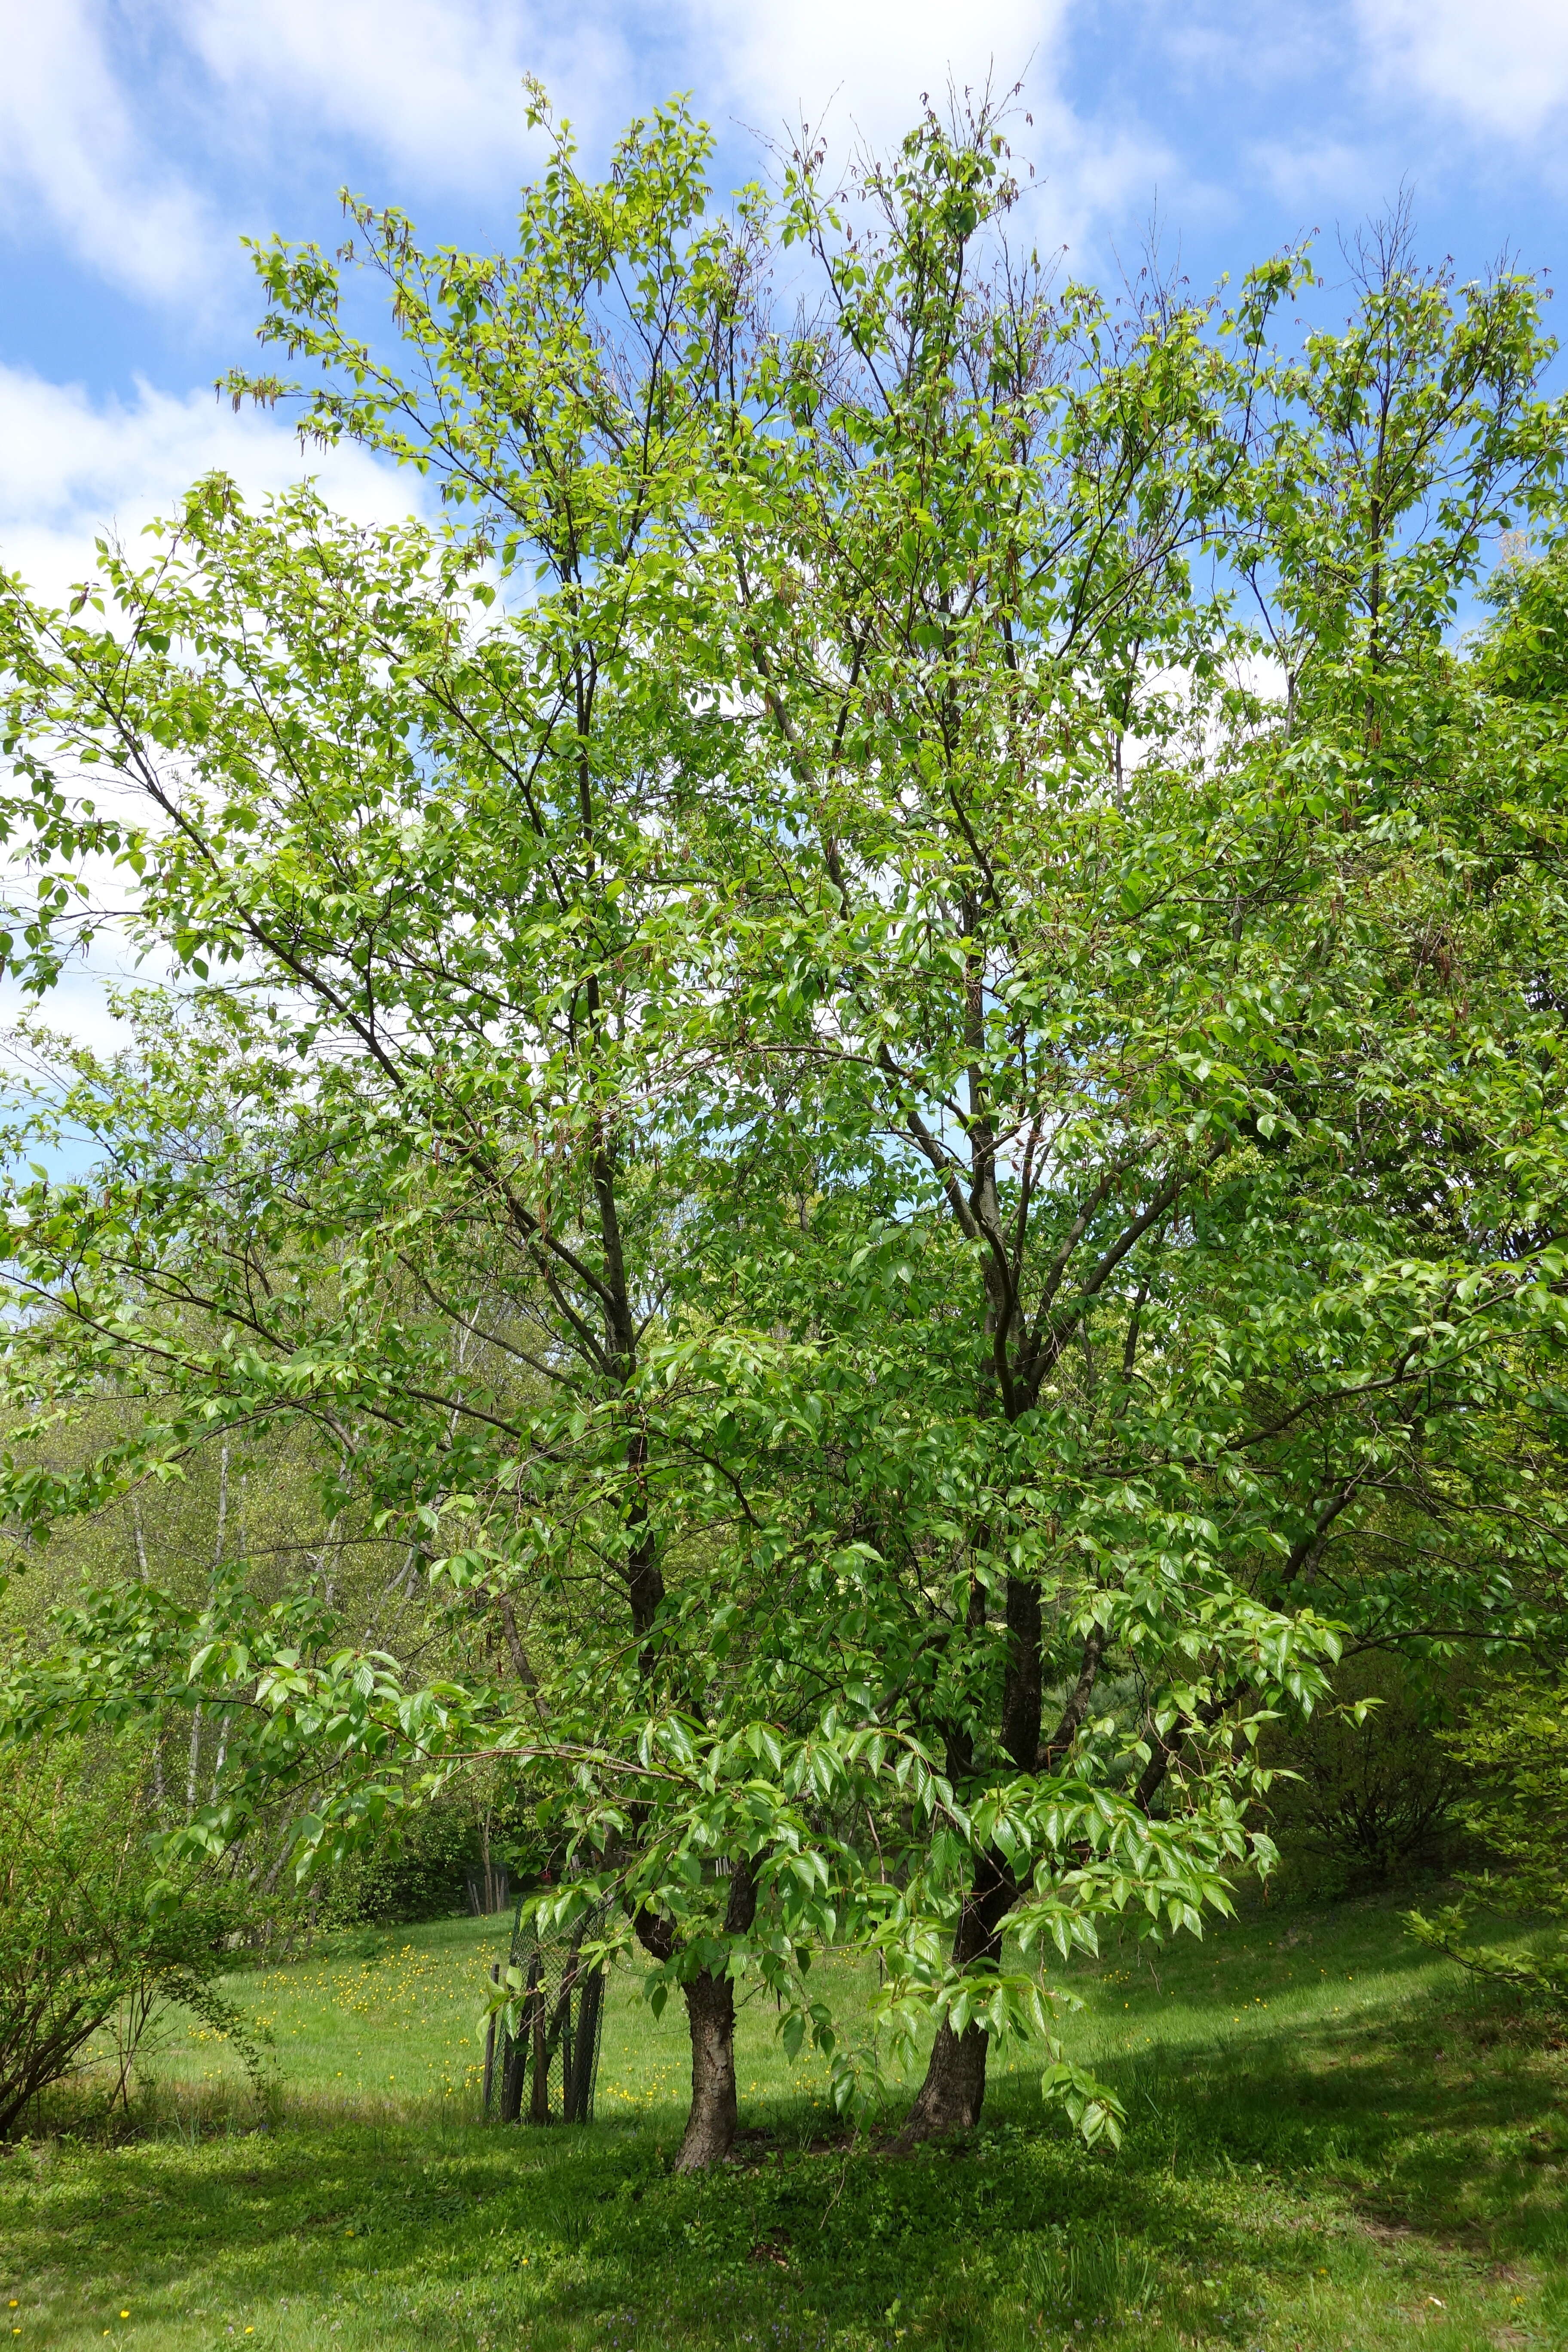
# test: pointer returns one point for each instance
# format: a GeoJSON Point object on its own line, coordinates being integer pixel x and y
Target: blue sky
{"type": "Point", "coordinates": [140, 139]}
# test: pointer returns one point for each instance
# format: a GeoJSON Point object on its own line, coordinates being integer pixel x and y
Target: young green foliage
{"type": "Point", "coordinates": [808, 1085]}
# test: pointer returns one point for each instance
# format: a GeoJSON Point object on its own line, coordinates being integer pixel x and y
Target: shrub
{"type": "Point", "coordinates": [419, 1865]}
{"type": "Point", "coordinates": [91, 1931]}
{"type": "Point", "coordinates": [1371, 1800]}
{"type": "Point", "coordinates": [1513, 1747]}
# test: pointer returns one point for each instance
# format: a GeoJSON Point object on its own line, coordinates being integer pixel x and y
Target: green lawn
{"type": "Point", "coordinates": [1332, 2142]}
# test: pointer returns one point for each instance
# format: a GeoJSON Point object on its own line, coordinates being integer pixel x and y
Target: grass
{"type": "Point", "coordinates": [1331, 2143]}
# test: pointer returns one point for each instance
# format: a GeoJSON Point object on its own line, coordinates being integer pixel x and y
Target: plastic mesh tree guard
{"type": "Point", "coordinates": [560, 2008]}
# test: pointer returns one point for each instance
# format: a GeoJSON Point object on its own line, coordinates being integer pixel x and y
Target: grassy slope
{"type": "Point", "coordinates": [1331, 2144]}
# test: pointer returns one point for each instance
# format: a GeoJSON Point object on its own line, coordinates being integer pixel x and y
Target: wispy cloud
{"type": "Point", "coordinates": [1324, 180]}
{"type": "Point", "coordinates": [146, 137]}
{"type": "Point", "coordinates": [78, 146]}
{"type": "Point", "coordinates": [864, 67]}
{"type": "Point", "coordinates": [432, 86]}
{"type": "Point", "coordinates": [858, 74]}
{"type": "Point", "coordinates": [1502, 67]}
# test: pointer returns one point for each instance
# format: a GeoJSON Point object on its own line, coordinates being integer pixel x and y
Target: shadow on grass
{"type": "Point", "coordinates": [1397, 2149]}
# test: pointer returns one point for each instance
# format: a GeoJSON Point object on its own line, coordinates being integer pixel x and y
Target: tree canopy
{"type": "Point", "coordinates": [874, 1053]}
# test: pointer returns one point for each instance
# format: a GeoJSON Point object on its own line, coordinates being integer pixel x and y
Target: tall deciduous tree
{"type": "Point", "coordinates": [823, 1093]}
{"type": "Point", "coordinates": [1198, 1095]}
{"type": "Point", "coordinates": [430, 857]}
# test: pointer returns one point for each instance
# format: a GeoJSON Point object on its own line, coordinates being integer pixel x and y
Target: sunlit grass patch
{"type": "Point", "coordinates": [1332, 2145]}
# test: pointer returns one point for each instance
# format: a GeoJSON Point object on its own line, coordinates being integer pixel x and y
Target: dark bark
{"type": "Point", "coordinates": [957, 1737]}
{"type": "Point", "coordinates": [578, 2088]}
{"type": "Point", "coordinates": [740, 1910]}
{"type": "Point", "coordinates": [1151, 1779]}
{"type": "Point", "coordinates": [538, 2102]}
{"type": "Point", "coordinates": [514, 2054]}
{"type": "Point", "coordinates": [655, 1934]}
{"type": "Point", "coordinates": [645, 1589]}
{"type": "Point", "coordinates": [566, 2040]}
{"type": "Point", "coordinates": [1166, 1747]}
{"type": "Point", "coordinates": [1022, 1689]}
{"type": "Point", "coordinates": [645, 1577]}
{"type": "Point", "coordinates": [1076, 1707]}
{"type": "Point", "coordinates": [953, 2091]}
{"type": "Point", "coordinates": [514, 2066]}
{"type": "Point", "coordinates": [535, 2033]}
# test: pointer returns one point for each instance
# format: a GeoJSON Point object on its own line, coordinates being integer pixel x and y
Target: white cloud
{"type": "Point", "coordinates": [73, 146]}
{"type": "Point", "coordinates": [1322, 178]}
{"type": "Point", "coordinates": [1239, 43]}
{"type": "Point", "coordinates": [132, 130]}
{"type": "Point", "coordinates": [70, 466]}
{"type": "Point", "coordinates": [871, 59]}
{"type": "Point", "coordinates": [434, 84]}
{"type": "Point", "coordinates": [140, 133]}
{"type": "Point", "coordinates": [857, 72]}
{"type": "Point", "coordinates": [1502, 66]}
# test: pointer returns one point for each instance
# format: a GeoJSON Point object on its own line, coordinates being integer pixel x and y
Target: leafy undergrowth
{"type": "Point", "coordinates": [1331, 2143]}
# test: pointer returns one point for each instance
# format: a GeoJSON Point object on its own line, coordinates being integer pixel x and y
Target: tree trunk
{"type": "Point", "coordinates": [710, 2125]}
{"type": "Point", "coordinates": [711, 2018]}
{"type": "Point", "coordinates": [953, 2091]}
{"type": "Point", "coordinates": [579, 2090]}
{"type": "Point", "coordinates": [538, 2102]}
